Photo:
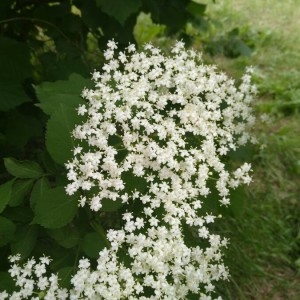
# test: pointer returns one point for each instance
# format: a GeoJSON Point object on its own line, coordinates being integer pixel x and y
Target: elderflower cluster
{"type": "Point", "coordinates": [170, 120]}
{"type": "Point", "coordinates": [33, 281]}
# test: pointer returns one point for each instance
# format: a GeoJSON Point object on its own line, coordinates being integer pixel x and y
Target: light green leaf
{"type": "Point", "coordinates": [7, 230]}
{"type": "Point", "coordinates": [119, 9]}
{"type": "Point", "coordinates": [54, 209]}
{"type": "Point", "coordinates": [5, 194]}
{"type": "Point", "coordinates": [58, 135]}
{"type": "Point", "coordinates": [22, 169]}
{"type": "Point", "coordinates": [66, 92]}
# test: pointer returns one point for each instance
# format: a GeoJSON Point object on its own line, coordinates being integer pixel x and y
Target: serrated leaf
{"type": "Point", "coordinates": [25, 239]}
{"type": "Point", "coordinates": [66, 92]}
{"type": "Point", "coordinates": [7, 230]}
{"type": "Point", "coordinates": [54, 209]}
{"type": "Point", "coordinates": [59, 142]}
{"type": "Point", "coordinates": [92, 244]}
{"type": "Point", "coordinates": [22, 169]}
{"type": "Point", "coordinates": [20, 189]}
{"type": "Point", "coordinates": [5, 194]}
{"type": "Point", "coordinates": [39, 188]}
{"type": "Point", "coordinates": [119, 9]}
{"type": "Point", "coordinates": [67, 237]}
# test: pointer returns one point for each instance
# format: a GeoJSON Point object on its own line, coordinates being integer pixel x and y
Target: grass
{"type": "Point", "coordinates": [264, 255]}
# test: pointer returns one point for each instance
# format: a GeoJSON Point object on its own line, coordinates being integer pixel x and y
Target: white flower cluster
{"type": "Point", "coordinates": [170, 120]}
{"type": "Point", "coordinates": [33, 281]}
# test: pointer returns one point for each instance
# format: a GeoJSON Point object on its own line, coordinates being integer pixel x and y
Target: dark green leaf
{"type": "Point", "coordinates": [5, 194]}
{"type": "Point", "coordinates": [14, 60]}
{"type": "Point", "coordinates": [64, 275]}
{"type": "Point", "coordinates": [19, 214]}
{"type": "Point", "coordinates": [25, 239]}
{"type": "Point", "coordinates": [93, 244]}
{"type": "Point", "coordinates": [119, 9]}
{"type": "Point", "coordinates": [7, 230]}
{"type": "Point", "coordinates": [6, 283]}
{"type": "Point", "coordinates": [196, 9]}
{"type": "Point", "coordinates": [108, 205]}
{"type": "Point", "coordinates": [25, 127]}
{"type": "Point", "coordinates": [66, 92]}
{"type": "Point", "coordinates": [20, 189]}
{"type": "Point", "coordinates": [12, 94]}
{"type": "Point", "coordinates": [67, 236]}
{"type": "Point", "coordinates": [38, 191]}
{"type": "Point", "coordinates": [54, 209]}
{"type": "Point", "coordinates": [58, 136]}
{"type": "Point", "coordinates": [23, 169]}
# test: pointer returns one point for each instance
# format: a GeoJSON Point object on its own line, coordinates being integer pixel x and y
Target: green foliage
{"type": "Point", "coordinates": [7, 230]}
{"type": "Point", "coordinates": [59, 141]}
{"type": "Point", "coordinates": [5, 194]}
{"type": "Point", "coordinates": [54, 209]}
{"type": "Point", "coordinates": [23, 169]}
{"type": "Point", "coordinates": [66, 92]}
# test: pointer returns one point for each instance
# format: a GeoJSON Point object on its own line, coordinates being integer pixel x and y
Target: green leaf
{"type": "Point", "coordinates": [25, 239]}
{"type": "Point", "coordinates": [64, 275]}
{"type": "Point", "coordinates": [66, 92]}
{"type": "Point", "coordinates": [19, 214]}
{"type": "Point", "coordinates": [39, 188]}
{"type": "Point", "coordinates": [20, 189]}
{"type": "Point", "coordinates": [12, 94]}
{"type": "Point", "coordinates": [54, 209]}
{"type": "Point", "coordinates": [25, 127]}
{"type": "Point", "coordinates": [14, 60]}
{"type": "Point", "coordinates": [59, 142]}
{"type": "Point", "coordinates": [67, 237]}
{"type": "Point", "coordinates": [7, 230]}
{"type": "Point", "coordinates": [92, 244]}
{"type": "Point", "coordinates": [23, 169]}
{"type": "Point", "coordinates": [6, 283]}
{"type": "Point", "coordinates": [109, 206]}
{"type": "Point", "coordinates": [15, 67]}
{"type": "Point", "coordinates": [119, 9]}
{"type": "Point", "coordinates": [196, 9]}
{"type": "Point", "coordinates": [5, 194]}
